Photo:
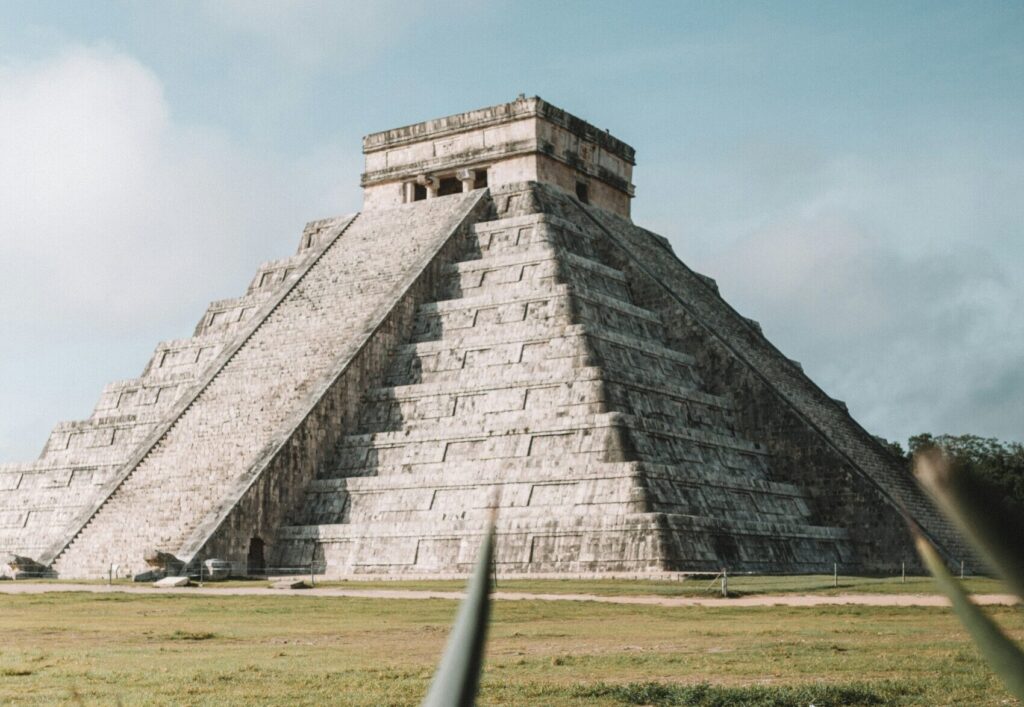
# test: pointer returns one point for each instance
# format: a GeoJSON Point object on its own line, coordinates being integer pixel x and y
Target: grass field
{"type": "Point", "coordinates": [159, 649]}
{"type": "Point", "coordinates": [739, 585]}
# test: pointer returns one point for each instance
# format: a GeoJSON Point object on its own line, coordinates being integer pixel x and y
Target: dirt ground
{"type": "Point", "coordinates": [795, 600]}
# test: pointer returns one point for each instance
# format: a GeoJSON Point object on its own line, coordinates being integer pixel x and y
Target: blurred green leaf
{"type": "Point", "coordinates": [979, 510]}
{"type": "Point", "coordinates": [458, 677]}
{"type": "Point", "coordinates": [1001, 653]}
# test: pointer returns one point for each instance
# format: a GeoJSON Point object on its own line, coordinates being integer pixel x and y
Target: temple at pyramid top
{"type": "Point", "coordinates": [525, 140]}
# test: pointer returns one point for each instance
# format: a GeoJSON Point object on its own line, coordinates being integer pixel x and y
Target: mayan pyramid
{"type": "Point", "coordinates": [492, 329]}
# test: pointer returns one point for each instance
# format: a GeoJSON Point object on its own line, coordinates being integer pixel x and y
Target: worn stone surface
{"type": "Point", "coordinates": [525, 140]}
{"type": "Point", "coordinates": [169, 582]}
{"type": "Point", "coordinates": [366, 402]}
{"type": "Point", "coordinates": [216, 570]}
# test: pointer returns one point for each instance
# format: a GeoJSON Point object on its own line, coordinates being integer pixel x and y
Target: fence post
{"type": "Point", "coordinates": [961, 569]}
{"type": "Point", "coordinates": [903, 573]}
{"type": "Point", "coordinates": [835, 575]}
{"type": "Point", "coordinates": [200, 573]}
{"type": "Point", "coordinates": [725, 582]}
{"type": "Point", "coordinates": [312, 580]}
{"type": "Point", "coordinates": [110, 575]}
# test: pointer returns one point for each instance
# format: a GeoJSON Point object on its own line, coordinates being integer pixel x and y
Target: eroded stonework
{"type": "Point", "coordinates": [455, 347]}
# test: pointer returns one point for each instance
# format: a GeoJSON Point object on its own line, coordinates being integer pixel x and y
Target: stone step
{"type": "Point", "coordinates": [541, 370]}
{"type": "Point", "coordinates": [513, 485]}
{"type": "Point", "coordinates": [544, 438]}
{"type": "Point", "coordinates": [536, 349]}
{"type": "Point", "coordinates": [504, 282]}
{"type": "Point", "coordinates": [509, 235]}
{"type": "Point", "coordinates": [625, 358]}
{"type": "Point", "coordinates": [470, 339]}
{"type": "Point", "coordinates": [512, 377]}
{"type": "Point", "coordinates": [228, 315]}
{"type": "Point", "coordinates": [527, 295]}
{"type": "Point", "coordinates": [539, 266]}
{"type": "Point", "coordinates": [471, 426]}
{"type": "Point", "coordinates": [565, 465]}
{"type": "Point", "coordinates": [154, 394]}
{"type": "Point", "coordinates": [535, 253]}
{"type": "Point", "coordinates": [437, 320]}
{"type": "Point", "coordinates": [525, 423]}
{"type": "Point", "coordinates": [557, 469]}
{"type": "Point", "coordinates": [533, 470]}
{"type": "Point", "coordinates": [563, 393]}
{"type": "Point", "coordinates": [410, 407]}
{"type": "Point", "coordinates": [539, 521]}
{"type": "Point", "coordinates": [650, 367]}
{"type": "Point", "coordinates": [273, 273]}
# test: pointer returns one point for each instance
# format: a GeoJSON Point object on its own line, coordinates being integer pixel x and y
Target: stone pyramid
{"type": "Point", "coordinates": [491, 330]}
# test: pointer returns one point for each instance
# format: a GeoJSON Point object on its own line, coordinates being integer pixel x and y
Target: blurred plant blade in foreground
{"type": "Point", "coordinates": [1002, 655]}
{"type": "Point", "coordinates": [458, 677]}
{"type": "Point", "coordinates": [978, 509]}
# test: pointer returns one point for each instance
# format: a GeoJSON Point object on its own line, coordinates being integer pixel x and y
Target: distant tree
{"type": "Point", "coordinates": [895, 448]}
{"type": "Point", "coordinates": [1000, 464]}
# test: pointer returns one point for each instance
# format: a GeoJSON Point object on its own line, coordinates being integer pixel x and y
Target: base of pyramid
{"type": "Point", "coordinates": [581, 545]}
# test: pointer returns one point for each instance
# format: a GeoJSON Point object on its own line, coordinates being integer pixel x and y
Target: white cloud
{"type": "Point", "coordinates": [891, 277]}
{"type": "Point", "coordinates": [116, 221]}
{"type": "Point", "coordinates": [914, 343]}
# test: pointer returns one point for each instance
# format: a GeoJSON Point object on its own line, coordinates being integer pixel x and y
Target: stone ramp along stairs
{"type": "Point", "coordinates": [268, 396]}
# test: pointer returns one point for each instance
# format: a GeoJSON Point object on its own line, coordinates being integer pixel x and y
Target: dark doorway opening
{"type": "Point", "coordinates": [449, 185]}
{"type": "Point", "coordinates": [419, 192]}
{"type": "Point", "coordinates": [255, 563]}
{"type": "Point", "coordinates": [480, 179]}
{"type": "Point", "coordinates": [583, 192]}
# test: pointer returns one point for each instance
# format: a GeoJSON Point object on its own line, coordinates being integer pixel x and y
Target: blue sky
{"type": "Point", "coordinates": [851, 173]}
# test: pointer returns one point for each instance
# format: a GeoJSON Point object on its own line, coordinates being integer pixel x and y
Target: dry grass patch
{"type": "Point", "coordinates": [207, 650]}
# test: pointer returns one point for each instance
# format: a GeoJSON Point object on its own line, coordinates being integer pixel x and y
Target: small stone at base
{"type": "Point", "coordinates": [172, 582]}
{"type": "Point", "coordinates": [290, 584]}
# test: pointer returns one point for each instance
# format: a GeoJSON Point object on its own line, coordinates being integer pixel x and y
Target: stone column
{"type": "Point", "coordinates": [409, 192]}
{"type": "Point", "coordinates": [430, 183]}
{"type": "Point", "coordinates": [467, 177]}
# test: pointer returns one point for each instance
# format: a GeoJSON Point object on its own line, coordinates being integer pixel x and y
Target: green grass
{"type": "Point", "coordinates": [162, 648]}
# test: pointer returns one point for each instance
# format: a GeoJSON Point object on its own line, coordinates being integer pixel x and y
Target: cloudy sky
{"type": "Point", "coordinates": [851, 173]}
